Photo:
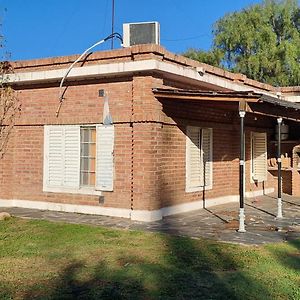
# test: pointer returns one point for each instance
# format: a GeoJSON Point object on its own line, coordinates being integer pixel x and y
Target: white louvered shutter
{"type": "Point", "coordinates": [71, 156]}
{"type": "Point", "coordinates": [104, 160]}
{"type": "Point", "coordinates": [206, 147]}
{"type": "Point", "coordinates": [62, 155]}
{"type": "Point", "coordinates": [54, 142]}
{"type": "Point", "coordinates": [199, 158]}
{"type": "Point", "coordinates": [259, 156]}
{"type": "Point", "coordinates": [194, 158]}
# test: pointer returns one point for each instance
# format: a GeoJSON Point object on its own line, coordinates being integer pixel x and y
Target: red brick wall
{"type": "Point", "coordinates": [146, 165]}
{"type": "Point", "coordinates": [7, 170]}
{"type": "Point", "coordinates": [173, 181]}
{"type": "Point", "coordinates": [226, 143]}
{"type": "Point", "coordinates": [150, 144]}
{"type": "Point", "coordinates": [21, 175]}
{"type": "Point", "coordinates": [81, 105]}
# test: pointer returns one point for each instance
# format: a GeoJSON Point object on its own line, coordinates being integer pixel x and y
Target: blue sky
{"type": "Point", "coordinates": [45, 28]}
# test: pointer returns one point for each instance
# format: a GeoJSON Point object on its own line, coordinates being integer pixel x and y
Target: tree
{"type": "Point", "coordinates": [213, 57]}
{"type": "Point", "coordinates": [9, 106]}
{"type": "Point", "coordinates": [261, 41]}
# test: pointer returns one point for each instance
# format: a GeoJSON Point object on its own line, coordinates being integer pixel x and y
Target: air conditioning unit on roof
{"type": "Point", "coordinates": [140, 33]}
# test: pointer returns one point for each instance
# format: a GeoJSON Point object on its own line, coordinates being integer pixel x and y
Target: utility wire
{"type": "Point", "coordinates": [61, 93]}
{"type": "Point", "coordinates": [186, 39]}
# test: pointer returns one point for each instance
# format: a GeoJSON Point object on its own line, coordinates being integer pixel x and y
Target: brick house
{"type": "Point", "coordinates": [173, 146]}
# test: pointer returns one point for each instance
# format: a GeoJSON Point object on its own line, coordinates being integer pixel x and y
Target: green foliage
{"type": "Point", "coordinates": [213, 58]}
{"type": "Point", "coordinates": [261, 41]}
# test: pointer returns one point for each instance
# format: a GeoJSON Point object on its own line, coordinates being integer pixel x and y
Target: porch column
{"type": "Point", "coordinates": [279, 202]}
{"type": "Point", "coordinates": [242, 114]}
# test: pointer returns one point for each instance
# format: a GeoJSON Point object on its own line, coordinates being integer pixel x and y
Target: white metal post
{"type": "Point", "coordinates": [279, 197]}
{"type": "Point", "coordinates": [242, 114]}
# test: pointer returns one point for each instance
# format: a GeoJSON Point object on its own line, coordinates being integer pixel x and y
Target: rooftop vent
{"type": "Point", "coordinates": [140, 33]}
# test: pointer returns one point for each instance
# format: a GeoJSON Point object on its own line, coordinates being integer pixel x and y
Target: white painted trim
{"type": "Point", "coordinates": [242, 221]}
{"type": "Point", "coordinates": [195, 205]}
{"type": "Point", "coordinates": [291, 98]}
{"type": "Point", "coordinates": [146, 215]}
{"type": "Point", "coordinates": [137, 215]}
{"type": "Point", "coordinates": [84, 209]}
{"type": "Point", "coordinates": [81, 190]}
{"type": "Point", "coordinates": [124, 68]}
{"type": "Point", "coordinates": [252, 194]}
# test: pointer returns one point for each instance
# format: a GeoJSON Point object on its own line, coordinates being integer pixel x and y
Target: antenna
{"type": "Point", "coordinates": [112, 22]}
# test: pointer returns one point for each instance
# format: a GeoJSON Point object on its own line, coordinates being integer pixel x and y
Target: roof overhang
{"type": "Point", "coordinates": [241, 100]}
{"type": "Point", "coordinates": [184, 74]}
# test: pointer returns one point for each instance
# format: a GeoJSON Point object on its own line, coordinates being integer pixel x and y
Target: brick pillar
{"type": "Point", "coordinates": [146, 166]}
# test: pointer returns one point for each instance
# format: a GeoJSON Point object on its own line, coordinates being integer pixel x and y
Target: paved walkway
{"type": "Point", "coordinates": [218, 222]}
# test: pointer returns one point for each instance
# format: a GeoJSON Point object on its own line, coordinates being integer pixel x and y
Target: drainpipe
{"type": "Point", "coordinates": [279, 201]}
{"type": "Point", "coordinates": [242, 114]}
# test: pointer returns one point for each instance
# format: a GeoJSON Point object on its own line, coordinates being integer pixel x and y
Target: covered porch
{"type": "Point", "coordinates": [251, 115]}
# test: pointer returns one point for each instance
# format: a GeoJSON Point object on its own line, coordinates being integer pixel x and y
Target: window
{"type": "Point", "coordinates": [258, 156]}
{"type": "Point", "coordinates": [198, 159]}
{"type": "Point", "coordinates": [78, 159]}
{"type": "Point", "coordinates": [87, 156]}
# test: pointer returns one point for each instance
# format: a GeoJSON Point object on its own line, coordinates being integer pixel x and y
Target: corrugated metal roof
{"type": "Point", "coordinates": [227, 94]}
{"type": "Point", "coordinates": [206, 93]}
{"type": "Point", "coordinates": [280, 102]}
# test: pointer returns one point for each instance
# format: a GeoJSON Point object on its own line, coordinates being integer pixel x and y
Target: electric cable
{"type": "Point", "coordinates": [111, 36]}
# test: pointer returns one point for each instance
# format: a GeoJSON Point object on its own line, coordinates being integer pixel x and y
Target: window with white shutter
{"type": "Point", "coordinates": [71, 163]}
{"type": "Point", "coordinates": [198, 159]}
{"type": "Point", "coordinates": [54, 159]}
{"type": "Point", "coordinates": [78, 159]}
{"type": "Point", "coordinates": [105, 163]}
{"type": "Point", "coordinates": [62, 156]}
{"type": "Point", "coordinates": [258, 156]}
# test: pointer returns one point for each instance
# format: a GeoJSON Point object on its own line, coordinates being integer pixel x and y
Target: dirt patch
{"type": "Point", "coordinates": [228, 213]}
{"type": "Point", "coordinates": [232, 224]}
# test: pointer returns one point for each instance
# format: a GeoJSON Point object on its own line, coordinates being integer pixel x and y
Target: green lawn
{"type": "Point", "coordinates": [43, 260]}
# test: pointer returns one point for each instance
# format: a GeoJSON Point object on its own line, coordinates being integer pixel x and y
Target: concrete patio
{"type": "Point", "coordinates": [218, 222]}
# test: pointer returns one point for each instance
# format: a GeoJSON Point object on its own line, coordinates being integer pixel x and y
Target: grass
{"type": "Point", "coordinates": [44, 260]}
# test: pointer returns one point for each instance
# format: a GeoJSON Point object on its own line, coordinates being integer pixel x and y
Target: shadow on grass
{"type": "Point", "coordinates": [74, 283]}
{"type": "Point", "coordinates": [189, 269]}
{"type": "Point", "coordinates": [204, 270]}
{"type": "Point", "coordinates": [6, 291]}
